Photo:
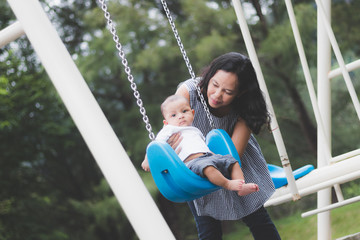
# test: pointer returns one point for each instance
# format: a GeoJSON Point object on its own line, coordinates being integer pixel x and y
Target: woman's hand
{"type": "Point", "coordinates": [174, 141]}
{"type": "Point", "coordinates": [145, 164]}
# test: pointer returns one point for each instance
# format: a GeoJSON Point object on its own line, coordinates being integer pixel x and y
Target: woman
{"type": "Point", "coordinates": [231, 91]}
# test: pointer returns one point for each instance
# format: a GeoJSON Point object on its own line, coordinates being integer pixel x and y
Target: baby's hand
{"type": "Point", "coordinates": [145, 165]}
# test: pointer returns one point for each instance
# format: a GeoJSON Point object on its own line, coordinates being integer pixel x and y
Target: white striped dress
{"type": "Point", "coordinates": [224, 204]}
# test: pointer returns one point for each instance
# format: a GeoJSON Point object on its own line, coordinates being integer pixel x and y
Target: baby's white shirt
{"type": "Point", "coordinates": [193, 140]}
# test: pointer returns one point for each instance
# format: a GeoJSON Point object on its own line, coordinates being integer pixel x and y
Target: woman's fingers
{"type": "Point", "coordinates": [174, 141]}
{"type": "Point", "coordinates": [177, 151]}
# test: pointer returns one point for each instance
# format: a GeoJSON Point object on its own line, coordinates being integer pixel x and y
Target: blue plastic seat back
{"type": "Point", "coordinates": [177, 182]}
{"type": "Point", "coordinates": [279, 177]}
{"type": "Point", "coordinates": [220, 142]}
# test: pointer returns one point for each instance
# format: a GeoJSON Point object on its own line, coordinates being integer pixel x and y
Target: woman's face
{"type": "Point", "coordinates": [222, 89]}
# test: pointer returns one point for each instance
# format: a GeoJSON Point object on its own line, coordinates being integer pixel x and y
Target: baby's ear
{"type": "Point", "coordinates": [165, 122]}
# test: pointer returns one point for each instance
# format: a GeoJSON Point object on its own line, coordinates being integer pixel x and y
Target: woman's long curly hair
{"type": "Point", "coordinates": [250, 104]}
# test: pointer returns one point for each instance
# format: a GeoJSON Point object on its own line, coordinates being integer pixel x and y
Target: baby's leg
{"type": "Point", "coordinates": [246, 188]}
{"type": "Point", "coordinates": [216, 177]}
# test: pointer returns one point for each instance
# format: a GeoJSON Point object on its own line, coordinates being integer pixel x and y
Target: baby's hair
{"type": "Point", "coordinates": [169, 99]}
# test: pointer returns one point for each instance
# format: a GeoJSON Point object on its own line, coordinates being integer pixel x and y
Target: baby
{"type": "Point", "coordinates": [224, 171]}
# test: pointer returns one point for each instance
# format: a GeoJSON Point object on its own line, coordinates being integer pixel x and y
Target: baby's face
{"type": "Point", "coordinates": [178, 113]}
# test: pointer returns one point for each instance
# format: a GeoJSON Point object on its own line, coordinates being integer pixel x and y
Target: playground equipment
{"type": "Point", "coordinates": [107, 150]}
{"type": "Point", "coordinates": [334, 174]}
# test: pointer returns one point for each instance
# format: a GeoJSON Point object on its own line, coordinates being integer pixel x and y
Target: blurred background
{"type": "Point", "coordinates": [51, 186]}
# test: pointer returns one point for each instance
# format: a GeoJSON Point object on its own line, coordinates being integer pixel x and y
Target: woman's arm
{"type": "Point", "coordinates": [241, 136]}
{"type": "Point", "coordinates": [182, 90]}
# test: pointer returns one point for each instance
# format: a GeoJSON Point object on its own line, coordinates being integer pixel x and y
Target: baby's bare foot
{"type": "Point", "coordinates": [234, 185]}
{"type": "Point", "coordinates": [248, 188]}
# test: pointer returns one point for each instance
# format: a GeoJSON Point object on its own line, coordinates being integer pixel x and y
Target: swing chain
{"type": "Point", "coordinates": [124, 62]}
{"type": "Point", "coordinates": [187, 61]}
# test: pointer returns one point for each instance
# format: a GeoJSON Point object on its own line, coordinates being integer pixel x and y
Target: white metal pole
{"type": "Point", "coordinates": [349, 67]}
{"type": "Point", "coordinates": [274, 124]}
{"type": "Point", "coordinates": [322, 13]}
{"type": "Point", "coordinates": [309, 83]}
{"type": "Point", "coordinates": [324, 100]}
{"type": "Point", "coordinates": [11, 33]}
{"type": "Point", "coordinates": [345, 156]}
{"type": "Point", "coordinates": [320, 178]}
{"type": "Point", "coordinates": [332, 206]}
{"type": "Point", "coordinates": [106, 148]}
{"type": "Point", "coordinates": [313, 184]}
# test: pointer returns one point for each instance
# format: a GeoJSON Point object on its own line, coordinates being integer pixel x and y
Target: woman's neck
{"type": "Point", "coordinates": [221, 112]}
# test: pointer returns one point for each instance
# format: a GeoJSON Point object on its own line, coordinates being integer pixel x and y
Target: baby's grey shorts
{"type": "Point", "coordinates": [220, 162]}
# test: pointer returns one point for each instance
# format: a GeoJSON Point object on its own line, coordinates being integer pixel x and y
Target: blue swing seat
{"type": "Point", "coordinates": [278, 175]}
{"type": "Point", "coordinates": [178, 183]}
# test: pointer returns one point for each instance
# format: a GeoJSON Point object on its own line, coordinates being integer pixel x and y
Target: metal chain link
{"type": "Point", "coordinates": [187, 61]}
{"type": "Point", "coordinates": [124, 62]}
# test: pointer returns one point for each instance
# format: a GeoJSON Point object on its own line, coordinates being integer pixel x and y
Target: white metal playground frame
{"type": "Point", "coordinates": [331, 171]}
{"type": "Point", "coordinates": [115, 163]}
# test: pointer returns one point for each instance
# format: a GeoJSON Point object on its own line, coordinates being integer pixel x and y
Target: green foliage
{"type": "Point", "coordinates": [351, 189]}
{"type": "Point", "coordinates": [101, 215]}
{"type": "Point", "coordinates": [345, 17]}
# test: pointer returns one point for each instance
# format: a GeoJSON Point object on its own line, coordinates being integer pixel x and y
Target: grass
{"type": "Point", "coordinates": [344, 221]}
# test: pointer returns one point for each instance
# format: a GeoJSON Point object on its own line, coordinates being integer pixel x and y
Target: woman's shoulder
{"type": "Point", "coordinates": [188, 89]}
{"type": "Point", "coordinates": [190, 84]}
